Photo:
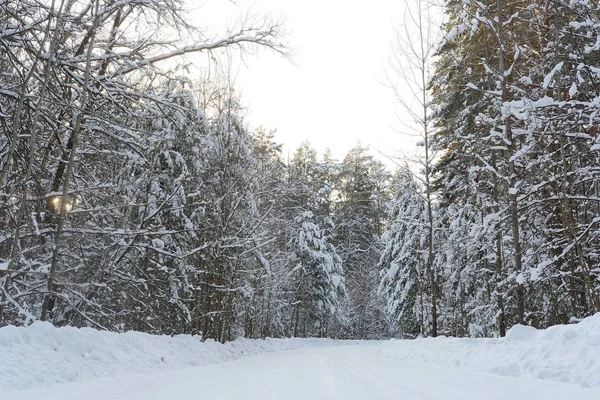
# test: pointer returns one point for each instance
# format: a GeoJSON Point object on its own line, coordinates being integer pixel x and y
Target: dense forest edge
{"type": "Point", "coordinates": [133, 195]}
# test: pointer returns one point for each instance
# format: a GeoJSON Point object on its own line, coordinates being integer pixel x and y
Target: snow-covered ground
{"type": "Point", "coordinates": [326, 373]}
{"type": "Point", "coordinates": [562, 353]}
{"type": "Point", "coordinates": [43, 362]}
{"type": "Point", "coordinates": [42, 355]}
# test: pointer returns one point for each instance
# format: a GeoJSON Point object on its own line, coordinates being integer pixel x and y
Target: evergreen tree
{"type": "Point", "coordinates": [318, 281]}
{"type": "Point", "coordinates": [404, 258]}
{"type": "Point", "coordinates": [359, 217]}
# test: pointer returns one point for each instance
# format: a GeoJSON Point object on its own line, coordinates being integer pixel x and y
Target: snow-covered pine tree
{"type": "Point", "coordinates": [359, 217]}
{"type": "Point", "coordinates": [318, 280]}
{"type": "Point", "coordinates": [403, 263]}
{"type": "Point", "coordinates": [518, 138]}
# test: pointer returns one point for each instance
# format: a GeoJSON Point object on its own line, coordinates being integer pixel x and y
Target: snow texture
{"type": "Point", "coordinates": [323, 373]}
{"type": "Point", "coordinates": [43, 355]}
{"type": "Point", "coordinates": [563, 353]}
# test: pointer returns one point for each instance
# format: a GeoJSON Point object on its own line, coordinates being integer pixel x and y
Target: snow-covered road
{"type": "Point", "coordinates": [341, 372]}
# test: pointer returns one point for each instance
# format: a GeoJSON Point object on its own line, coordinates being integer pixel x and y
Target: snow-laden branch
{"type": "Point", "coordinates": [265, 36]}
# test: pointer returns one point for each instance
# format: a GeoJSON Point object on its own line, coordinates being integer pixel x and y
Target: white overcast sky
{"type": "Point", "coordinates": [332, 95]}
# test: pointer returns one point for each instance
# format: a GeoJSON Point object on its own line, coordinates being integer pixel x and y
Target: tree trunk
{"type": "Point", "coordinates": [49, 297]}
{"type": "Point", "coordinates": [513, 198]}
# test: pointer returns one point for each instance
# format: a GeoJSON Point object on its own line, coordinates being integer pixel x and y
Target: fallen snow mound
{"type": "Point", "coordinates": [42, 354]}
{"type": "Point", "coordinates": [564, 353]}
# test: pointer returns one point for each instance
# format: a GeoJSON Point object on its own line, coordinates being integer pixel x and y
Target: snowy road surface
{"type": "Point", "coordinates": [341, 372]}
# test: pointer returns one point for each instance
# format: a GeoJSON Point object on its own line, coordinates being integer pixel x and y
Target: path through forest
{"type": "Point", "coordinates": [341, 372]}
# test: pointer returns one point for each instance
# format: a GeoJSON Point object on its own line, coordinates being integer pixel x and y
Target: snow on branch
{"type": "Point", "coordinates": [266, 34]}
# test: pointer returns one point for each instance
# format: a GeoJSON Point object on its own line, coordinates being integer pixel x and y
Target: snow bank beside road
{"type": "Point", "coordinates": [565, 353]}
{"type": "Point", "coordinates": [42, 355]}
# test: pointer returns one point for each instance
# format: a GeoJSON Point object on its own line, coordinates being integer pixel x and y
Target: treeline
{"type": "Point", "coordinates": [514, 170]}
{"type": "Point", "coordinates": [133, 197]}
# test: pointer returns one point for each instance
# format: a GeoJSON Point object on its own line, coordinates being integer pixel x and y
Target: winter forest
{"type": "Point", "coordinates": [133, 195]}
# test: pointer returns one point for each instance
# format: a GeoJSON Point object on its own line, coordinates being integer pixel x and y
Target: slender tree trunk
{"type": "Point", "coordinates": [14, 253]}
{"type": "Point", "coordinates": [50, 289]}
{"type": "Point", "coordinates": [513, 198]}
{"type": "Point", "coordinates": [499, 256]}
{"type": "Point", "coordinates": [421, 303]}
{"type": "Point", "coordinates": [16, 125]}
{"type": "Point", "coordinates": [298, 303]}
{"type": "Point", "coordinates": [568, 219]}
{"type": "Point", "coordinates": [430, 266]}
{"type": "Point", "coordinates": [499, 297]}
{"type": "Point", "coordinates": [423, 60]}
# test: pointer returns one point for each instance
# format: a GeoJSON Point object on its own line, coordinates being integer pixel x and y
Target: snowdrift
{"type": "Point", "coordinates": [41, 354]}
{"type": "Point", "coordinates": [565, 353]}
